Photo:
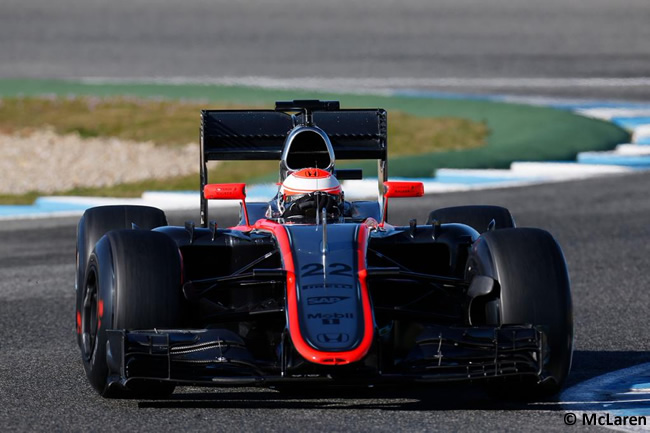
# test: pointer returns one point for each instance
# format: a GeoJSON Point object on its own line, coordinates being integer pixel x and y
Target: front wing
{"type": "Point", "coordinates": [218, 357]}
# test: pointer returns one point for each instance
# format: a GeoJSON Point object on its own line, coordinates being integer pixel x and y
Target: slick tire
{"type": "Point", "coordinates": [133, 281]}
{"type": "Point", "coordinates": [534, 288]}
{"type": "Point", "coordinates": [477, 217]}
{"type": "Point", "coordinates": [98, 221]}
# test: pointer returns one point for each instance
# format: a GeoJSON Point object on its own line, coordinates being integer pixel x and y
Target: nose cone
{"type": "Point", "coordinates": [333, 316]}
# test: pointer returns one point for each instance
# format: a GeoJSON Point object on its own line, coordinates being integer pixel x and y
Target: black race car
{"type": "Point", "coordinates": [310, 288]}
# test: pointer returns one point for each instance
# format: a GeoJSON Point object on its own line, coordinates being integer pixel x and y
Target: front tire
{"type": "Point", "coordinates": [534, 288]}
{"type": "Point", "coordinates": [98, 221]}
{"type": "Point", "coordinates": [133, 281]}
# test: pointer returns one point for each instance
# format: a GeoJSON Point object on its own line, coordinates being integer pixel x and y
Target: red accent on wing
{"type": "Point", "coordinates": [301, 345]}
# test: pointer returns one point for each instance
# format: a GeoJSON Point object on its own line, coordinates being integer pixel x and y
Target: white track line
{"type": "Point", "coordinates": [641, 132]}
{"type": "Point", "coordinates": [318, 83]}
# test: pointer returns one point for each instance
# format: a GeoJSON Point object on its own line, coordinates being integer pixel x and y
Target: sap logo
{"type": "Point", "coordinates": [331, 316]}
{"type": "Point", "coordinates": [333, 338]}
{"type": "Point", "coordinates": [326, 300]}
{"type": "Point", "coordinates": [327, 286]}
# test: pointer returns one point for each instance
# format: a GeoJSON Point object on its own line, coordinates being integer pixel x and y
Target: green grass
{"type": "Point", "coordinates": [409, 134]}
{"type": "Point", "coordinates": [27, 198]}
{"type": "Point", "coordinates": [163, 122]}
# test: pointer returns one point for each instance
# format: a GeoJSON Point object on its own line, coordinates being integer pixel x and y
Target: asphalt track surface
{"type": "Point", "coordinates": [431, 39]}
{"type": "Point", "coordinates": [602, 225]}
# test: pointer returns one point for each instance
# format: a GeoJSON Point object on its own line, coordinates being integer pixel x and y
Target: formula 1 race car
{"type": "Point", "coordinates": [310, 288]}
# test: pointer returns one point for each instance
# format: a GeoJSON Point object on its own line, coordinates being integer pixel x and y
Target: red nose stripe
{"type": "Point", "coordinates": [301, 345]}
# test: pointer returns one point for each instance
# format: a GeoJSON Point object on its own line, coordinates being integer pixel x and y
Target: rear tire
{"type": "Point", "coordinates": [477, 217]}
{"type": "Point", "coordinates": [133, 281]}
{"type": "Point", "coordinates": [530, 269]}
{"type": "Point", "coordinates": [98, 221]}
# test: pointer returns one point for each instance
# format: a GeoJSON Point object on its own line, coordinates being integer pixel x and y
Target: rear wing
{"type": "Point", "coordinates": [228, 135]}
{"type": "Point", "coordinates": [260, 134]}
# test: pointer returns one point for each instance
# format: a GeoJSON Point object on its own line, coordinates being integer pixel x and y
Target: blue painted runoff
{"type": "Point", "coordinates": [612, 159]}
{"type": "Point", "coordinates": [631, 122]}
{"type": "Point", "coordinates": [41, 205]}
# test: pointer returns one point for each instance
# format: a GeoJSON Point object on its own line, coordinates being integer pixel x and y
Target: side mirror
{"type": "Point", "coordinates": [403, 189]}
{"type": "Point", "coordinates": [227, 191]}
{"type": "Point", "coordinates": [399, 189]}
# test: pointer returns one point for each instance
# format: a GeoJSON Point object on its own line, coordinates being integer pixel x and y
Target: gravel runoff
{"type": "Point", "coordinates": [46, 162]}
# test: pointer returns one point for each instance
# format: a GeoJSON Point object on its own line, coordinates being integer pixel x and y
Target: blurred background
{"type": "Point", "coordinates": [577, 48]}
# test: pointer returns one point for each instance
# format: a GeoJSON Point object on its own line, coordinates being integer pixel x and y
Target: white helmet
{"type": "Point", "coordinates": [305, 190]}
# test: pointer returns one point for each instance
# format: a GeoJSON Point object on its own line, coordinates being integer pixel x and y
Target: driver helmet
{"type": "Point", "coordinates": [306, 190]}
